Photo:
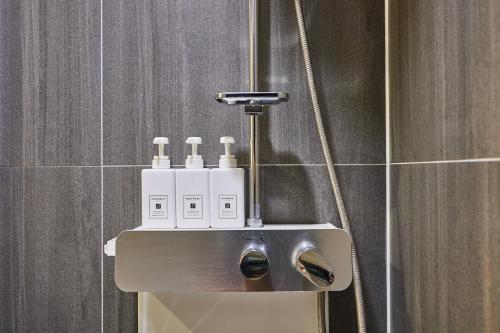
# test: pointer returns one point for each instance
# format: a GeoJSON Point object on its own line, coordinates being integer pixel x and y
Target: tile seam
{"type": "Point", "coordinates": [472, 160]}
{"type": "Point", "coordinates": [102, 164]}
{"type": "Point", "coordinates": [387, 172]}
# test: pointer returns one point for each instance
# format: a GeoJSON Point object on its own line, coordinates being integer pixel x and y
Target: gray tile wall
{"type": "Point", "coordinates": [61, 271]}
{"type": "Point", "coordinates": [163, 61]}
{"type": "Point", "coordinates": [50, 203]}
{"type": "Point", "coordinates": [122, 210]}
{"type": "Point", "coordinates": [444, 214]}
{"type": "Point", "coordinates": [61, 82]}
{"type": "Point", "coordinates": [445, 245]}
{"type": "Point", "coordinates": [11, 198]}
{"type": "Point", "coordinates": [11, 119]}
{"type": "Point", "coordinates": [444, 80]}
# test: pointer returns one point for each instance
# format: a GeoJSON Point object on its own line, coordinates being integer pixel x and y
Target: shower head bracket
{"type": "Point", "coordinates": [254, 102]}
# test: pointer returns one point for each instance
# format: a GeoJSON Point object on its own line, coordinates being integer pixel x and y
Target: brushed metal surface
{"type": "Point", "coordinates": [204, 260]}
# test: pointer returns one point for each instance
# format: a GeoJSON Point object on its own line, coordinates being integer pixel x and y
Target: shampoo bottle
{"type": "Point", "coordinates": [193, 190]}
{"type": "Point", "coordinates": [158, 191]}
{"type": "Point", "coordinates": [227, 191]}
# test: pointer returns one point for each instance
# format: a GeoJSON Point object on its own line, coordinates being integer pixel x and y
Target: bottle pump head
{"type": "Point", "coordinates": [227, 160]}
{"type": "Point", "coordinates": [194, 161]}
{"type": "Point", "coordinates": [161, 161]}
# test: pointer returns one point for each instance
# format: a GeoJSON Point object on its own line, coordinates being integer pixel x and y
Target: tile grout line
{"type": "Point", "coordinates": [387, 173]}
{"type": "Point", "coordinates": [102, 172]}
{"type": "Point", "coordinates": [471, 160]}
{"type": "Point", "coordinates": [182, 165]}
{"type": "Point", "coordinates": [476, 160]}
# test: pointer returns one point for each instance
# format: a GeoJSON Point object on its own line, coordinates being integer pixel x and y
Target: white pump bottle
{"type": "Point", "coordinates": [158, 191]}
{"type": "Point", "coordinates": [227, 190]}
{"type": "Point", "coordinates": [193, 190]}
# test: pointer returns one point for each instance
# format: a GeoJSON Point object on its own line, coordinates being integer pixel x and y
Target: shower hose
{"type": "Point", "coordinates": [333, 179]}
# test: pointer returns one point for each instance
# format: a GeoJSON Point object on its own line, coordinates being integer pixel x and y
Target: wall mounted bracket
{"type": "Point", "coordinates": [254, 102]}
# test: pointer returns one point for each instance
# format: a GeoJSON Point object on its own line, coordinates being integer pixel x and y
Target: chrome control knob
{"type": "Point", "coordinates": [314, 267]}
{"type": "Point", "coordinates": [254, 264]}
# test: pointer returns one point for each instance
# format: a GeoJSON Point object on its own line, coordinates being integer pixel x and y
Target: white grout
{"type": "Point", "coordinates": [102, 177]}
{"type": "Point", "coordinates": [387, 172]}
{"type": "Point", "coordinates": [471, 160]}
{"type": "Point", "coordinates": [246, 165]}
{"type": "Point", "coordinates": [474, 160]}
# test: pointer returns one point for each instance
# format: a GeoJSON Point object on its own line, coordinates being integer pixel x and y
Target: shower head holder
{"type": "Point", "coordinates": [254, 102]}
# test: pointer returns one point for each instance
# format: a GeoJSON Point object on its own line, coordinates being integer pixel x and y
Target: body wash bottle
{"type": "Point", "coordinates": [193, 190]}
{"type": "Point", "coordinates": [158, 191]}
{"type": "Point", "coordinates": [227, 191]}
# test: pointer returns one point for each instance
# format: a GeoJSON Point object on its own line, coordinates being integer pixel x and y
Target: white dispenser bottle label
{"type": "Point", "coordinates": [228, 205]}
{"type": "Point", "coordinates": [193, 206]}
{"type": "Point", "coordinates": [158, 206]}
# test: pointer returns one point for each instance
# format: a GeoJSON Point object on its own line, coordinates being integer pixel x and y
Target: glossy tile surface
{"type": "Point", "coordinates": [164, 61]}
{"type": "Point", "coordinates": [444, 80]}
{"type": "Point", "coordinates": [61, 254]}
{"type": "Point", "coordinates": [61, 82]}
{"type": "Point", "coordinates": [445, 268]}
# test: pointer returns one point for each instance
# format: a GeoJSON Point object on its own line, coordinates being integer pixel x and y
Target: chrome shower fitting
{"type": "Point", "coordinates": [295, 257]}
{"type": "Point", "coordinates": [314, 267]}
{"type": "Point", "coordinates": [254, 263]}
{"type": "Point", "coordinates": [254, 102]}
{"type": "Point", "coordinates": [252, 98]}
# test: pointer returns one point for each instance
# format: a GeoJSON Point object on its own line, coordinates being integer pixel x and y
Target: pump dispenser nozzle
{"type": "Point", "coordinates": [161, 161]}
{"type": "Point", "coordinates": [227, 160]}
{"type": "Point", "coordinates": [194, 161]}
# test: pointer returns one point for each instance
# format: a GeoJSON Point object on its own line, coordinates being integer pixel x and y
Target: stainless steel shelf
{"type": "Point", "coordinates": [208, 260]}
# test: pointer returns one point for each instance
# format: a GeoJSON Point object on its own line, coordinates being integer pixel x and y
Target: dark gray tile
{"type": "Point", "coordinates": [301, 194]}
{"type": "Point", "coordinates": [164, 61]}
{"type": "Point", "coordinates": [445, 238]}
{"type": "Point", "coordinates": [11, 184]}
{"type": "Point", "coordinates": [296, 194]}
{"type": "Point", "coordinates": [61, 82]}
{"type": "Point", "coordinates": [122, 210]}
{"type": "Point", "coordinates": [444, 80]}
{"type": "Point", "coordinates": [347, 52]}
{"type": "Point", "coordinates": [61, 280]}
{"type": "Point", "coordinates": [11, 93]}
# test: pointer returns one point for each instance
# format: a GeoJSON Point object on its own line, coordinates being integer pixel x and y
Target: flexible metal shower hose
{"type": "Point", "coordinates": [333, 177]}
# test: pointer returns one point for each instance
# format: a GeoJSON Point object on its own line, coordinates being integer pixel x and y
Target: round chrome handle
{"type": "Point", "coordinates": [254, 264]}
{"type": "Point", "coordinates": [314, 267]}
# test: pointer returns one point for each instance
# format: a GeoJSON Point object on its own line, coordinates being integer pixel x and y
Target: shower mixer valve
{"type": "Point", "coordinates": [308, 261]}
{"type": "Point", "coordinates": [254, 263]}
{"type": "Point", "coordinates": [271, 258]}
